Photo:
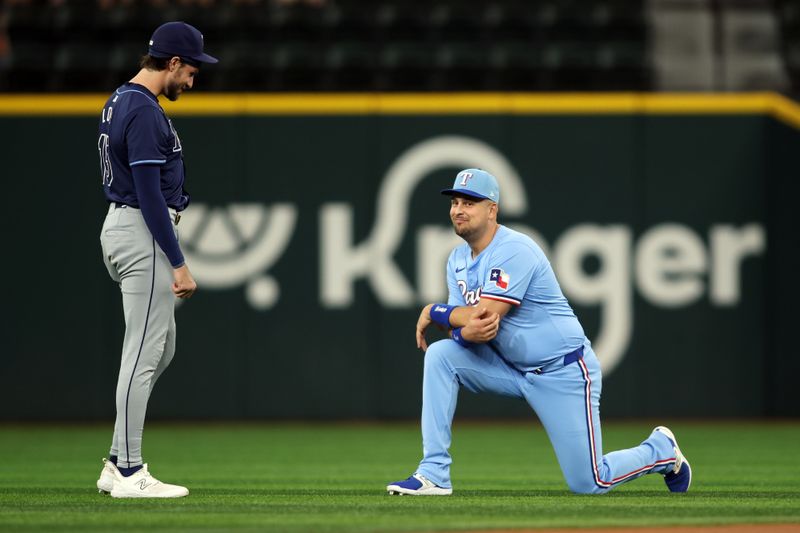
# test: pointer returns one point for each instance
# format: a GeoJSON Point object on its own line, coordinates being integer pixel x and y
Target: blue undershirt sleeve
{"type": "Point", "coordinates": [147, 181]}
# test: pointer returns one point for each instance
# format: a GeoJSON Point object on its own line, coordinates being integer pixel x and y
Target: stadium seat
{"type": "Point", "coordinates": [353, 21]}
{"type": "Point", "coordinates": [406, 66]}
{"type": "Point", "coordinates": [295, 67]}
{"type": "Point", "coordinates": [30, 21]}
{"type": "Point", "coordinates": [466, 67]}
{"type": "Point", "coordinates": [77, 66]}
{"type": "Point", "coordinates": [399, 21]}
{"type": "Point", "coordinates": [243, 66]}
{"type": "Point", "coordinates": [518, 65]}
{"type": "Point", "coordinates": [349, 67]}
{"type": "Point", "coordinates": [391, 45]}
{"type": "Point", "coordinates": [30, 65]}
{"type": "Point", "coordinates": [123, 61]}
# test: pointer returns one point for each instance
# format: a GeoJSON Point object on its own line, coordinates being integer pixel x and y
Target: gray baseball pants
{"type": "Point", "coordinates": [145, 278]}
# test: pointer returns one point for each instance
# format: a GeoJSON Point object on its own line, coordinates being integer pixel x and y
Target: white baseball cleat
{"type": "Point", "coordinates": [106, 481]}
{"type": "Point", "coordinates": [680, 479]}
{"type": "Point", "coordinates": [142, 484]}
{"type": "Point", "coordinates": [417, 485]}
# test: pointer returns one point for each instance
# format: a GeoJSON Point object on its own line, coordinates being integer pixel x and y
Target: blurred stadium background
{"type": "Point", "coordinates": [650, 145]}
{"type": "Point", "coordinates": [397, 45]}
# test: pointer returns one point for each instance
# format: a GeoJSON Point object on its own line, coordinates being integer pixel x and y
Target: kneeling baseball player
{"type": "Point", "coordinates": [512, 332]}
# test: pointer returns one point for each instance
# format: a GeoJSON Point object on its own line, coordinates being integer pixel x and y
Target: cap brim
{"type": "Point", "coordinates": [203, 58]}
{"type": "Point", "coordinates": [466, 192]}
{"type": "Point", "coordinates": [199, 60]}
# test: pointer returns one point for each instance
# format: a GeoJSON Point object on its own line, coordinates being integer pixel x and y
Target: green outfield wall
{"type": "Point", "coordinates": [317, 231]}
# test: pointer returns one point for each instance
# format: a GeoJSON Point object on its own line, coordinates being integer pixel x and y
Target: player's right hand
{"type": "Point", "coordinates": [184, 284]}
{"type": "Point", "coordinates": [482, 326]}
{"type": "Point", "coordinates": [423, 322]}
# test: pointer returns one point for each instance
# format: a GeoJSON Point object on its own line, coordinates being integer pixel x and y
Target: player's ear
{"type": "Point", "coordinates": [493, 209]}
{"type": "Point", "coordinates": [174, 64]}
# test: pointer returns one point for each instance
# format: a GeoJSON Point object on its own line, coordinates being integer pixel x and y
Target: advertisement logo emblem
{"type": "Point", "coordinates": [235, 245]}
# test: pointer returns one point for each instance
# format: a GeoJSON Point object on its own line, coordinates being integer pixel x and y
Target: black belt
{"type": "Point", "coordinates": [175, 220]}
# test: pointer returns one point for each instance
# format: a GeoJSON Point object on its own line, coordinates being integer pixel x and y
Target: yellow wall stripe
{"type": "Point", "coordinates": [211, 104]}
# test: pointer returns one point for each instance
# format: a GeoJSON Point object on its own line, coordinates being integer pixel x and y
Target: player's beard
{"type": "Point", "coordinates": [173, 91]}
{"type": "Point", "coordinates": [467, 233]}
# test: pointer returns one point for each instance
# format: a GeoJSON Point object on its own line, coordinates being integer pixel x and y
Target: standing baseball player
{"type": "Point", "coordinates": [512, 332]}
{"type": "Point", "coordinates": [141, 160]}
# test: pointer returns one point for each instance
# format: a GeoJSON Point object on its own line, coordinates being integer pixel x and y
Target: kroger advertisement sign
{"type": "Point", "coordinates": [670, 264]}
{"type": "Point", "coordinates": [316, 237]}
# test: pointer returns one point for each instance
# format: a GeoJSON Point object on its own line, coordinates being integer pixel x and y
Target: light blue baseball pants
{"type": "Point", "coordinates": [566, 399]}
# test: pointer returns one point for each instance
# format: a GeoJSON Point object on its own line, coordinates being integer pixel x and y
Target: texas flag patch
{"type": "Point", "coordinates": [500, 278]}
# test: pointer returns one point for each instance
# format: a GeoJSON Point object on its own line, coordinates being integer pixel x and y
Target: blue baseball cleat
{"type": "Point", "coordinates": [417, 485]}
{"type": "Point", "coordinates": [680, 479]}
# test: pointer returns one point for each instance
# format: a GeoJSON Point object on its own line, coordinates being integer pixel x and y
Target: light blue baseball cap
{"type": "Point", "coordinates": [476, 183]}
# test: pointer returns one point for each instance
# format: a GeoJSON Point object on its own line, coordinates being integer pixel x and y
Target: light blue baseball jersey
{"type": "Point", "coordinates": [541, 325]}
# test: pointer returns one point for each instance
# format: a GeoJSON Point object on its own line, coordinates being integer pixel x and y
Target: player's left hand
{"type": "Point", "coordinates": [482, 326]}
{"type": "Point", "coordinates": [184, 284]}
{"type": "Point", "coordinates": [423, 322]}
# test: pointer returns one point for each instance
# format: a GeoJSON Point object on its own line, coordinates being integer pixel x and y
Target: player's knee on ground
{"type": "Point", "coordinates": [579, 475]}
{"type": "Point", "coordinates": [588, 489]}
{"type": "Point", "coordinates": [585, 486]}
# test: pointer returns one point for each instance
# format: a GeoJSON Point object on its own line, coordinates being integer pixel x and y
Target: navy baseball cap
{"type": "Point", "coordinates": [476, 183]}
{"type": "Point", "coordinates": [179, 39]}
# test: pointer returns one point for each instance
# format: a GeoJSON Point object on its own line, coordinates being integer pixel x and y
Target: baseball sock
{"type": "Point", "coordinates": [129, 471]}
{"type": "Point", "coordinates": [113, 459]}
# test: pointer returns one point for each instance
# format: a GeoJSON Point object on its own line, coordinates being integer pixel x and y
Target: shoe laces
{"type": "Point", "coordinates": [678, 462]}
{"type": "Point", "coordinates": [142, 473]}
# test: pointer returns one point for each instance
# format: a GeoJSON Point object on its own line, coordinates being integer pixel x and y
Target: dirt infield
{"type": "Point", "coordinates": [733, 528]}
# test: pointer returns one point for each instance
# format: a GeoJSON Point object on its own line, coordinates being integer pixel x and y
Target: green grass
{"type": "Point", "coordinates": [331, 477]}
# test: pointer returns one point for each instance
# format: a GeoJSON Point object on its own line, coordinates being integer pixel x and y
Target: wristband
{"type": "Point", "coordinates": [456, 334]}
{"type": "Point", "coordinates": [440, 313]}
